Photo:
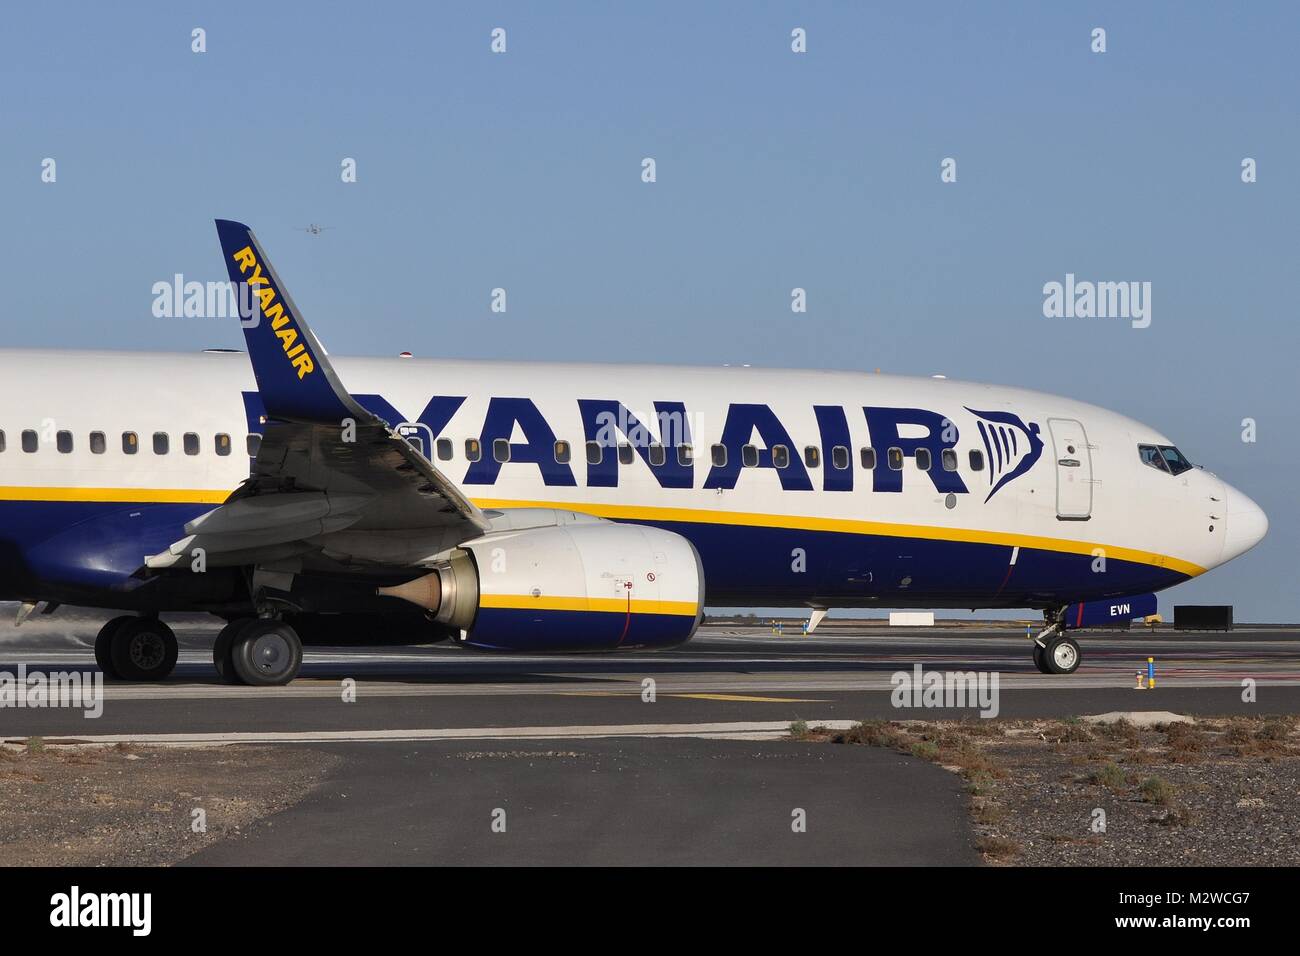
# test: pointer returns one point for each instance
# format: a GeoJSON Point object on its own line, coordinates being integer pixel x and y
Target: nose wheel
{"type": "Point", "coordinates": [1055, 653]}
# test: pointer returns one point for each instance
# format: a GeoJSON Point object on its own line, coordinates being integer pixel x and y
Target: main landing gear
{"type": "Point", "coordinates": [1054, 652]}
{"type": "Point", "coordinates": [136, 649]}
{"type": "Point", "coordinates": [260, 651]}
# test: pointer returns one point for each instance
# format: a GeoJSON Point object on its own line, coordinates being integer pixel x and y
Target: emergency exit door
{"type": "Point", "coordinates": [1073, 469]}
{"type": "Point", "coordinates": [419, 435]}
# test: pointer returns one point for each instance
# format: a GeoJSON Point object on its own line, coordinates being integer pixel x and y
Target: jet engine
{"type": "Point", "coordinates": [596, 586]}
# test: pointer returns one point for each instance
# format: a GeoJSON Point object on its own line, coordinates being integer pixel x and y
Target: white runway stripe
{"type": "Point", "coordinates": [753, 730]}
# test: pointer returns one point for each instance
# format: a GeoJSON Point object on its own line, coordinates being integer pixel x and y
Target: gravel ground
{"type": "Point", "coordinates": [1216, 792]}
{"type": "Point", "coordinates": [134, 806]}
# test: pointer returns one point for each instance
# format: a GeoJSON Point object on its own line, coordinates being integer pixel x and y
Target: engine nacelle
{"type": "Point", "coordinates": [581, 587]}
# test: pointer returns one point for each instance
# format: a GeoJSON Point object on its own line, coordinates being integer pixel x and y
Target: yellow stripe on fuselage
{"type": "Point", "coordinates": [526, 602]}
{"type": "Point", "coordinates": [654, 514]}
{"type": "Point", "coordinates": [124, 495]}
{"type": "Point", "coordinates": [851, 526]}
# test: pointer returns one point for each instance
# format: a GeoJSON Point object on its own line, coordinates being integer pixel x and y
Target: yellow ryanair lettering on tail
{"type": "Point", "coordinates": [275, 312]}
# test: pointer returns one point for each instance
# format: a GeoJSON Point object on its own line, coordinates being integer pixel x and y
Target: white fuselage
{"type": "Point", "coordinates": [1087, 494]}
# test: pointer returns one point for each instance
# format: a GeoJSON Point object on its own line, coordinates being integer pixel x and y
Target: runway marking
{"type": "Point", "coordinates": [755, 730]}
{"type": "Point", "coordinates": [634, 690]}
{"type": "Point", "coordinates": [753, 700]}
{"type": "Point", "coordinates": [758, 688]}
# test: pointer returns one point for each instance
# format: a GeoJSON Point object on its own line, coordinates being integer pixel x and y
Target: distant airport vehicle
{"type": "Point", "coordinates": [541, 507]}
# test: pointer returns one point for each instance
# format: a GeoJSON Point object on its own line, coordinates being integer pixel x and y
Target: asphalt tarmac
{"type": "Point", "coordinates": [663, 757]}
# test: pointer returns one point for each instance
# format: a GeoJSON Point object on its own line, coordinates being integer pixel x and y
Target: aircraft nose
{"type": "Point", "coordinates": [1246, 524]}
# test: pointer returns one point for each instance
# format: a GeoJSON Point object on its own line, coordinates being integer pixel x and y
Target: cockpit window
{"type": "Point", "coordinates": [1164, 458]}
{"type": "Point", "coordinates": [1151, 456]}
{"type": "Point", "coordinates": [1174, 459]}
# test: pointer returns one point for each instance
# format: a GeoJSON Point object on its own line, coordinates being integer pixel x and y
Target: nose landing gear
{"type": "Point", "coordinates": [1054, 652]}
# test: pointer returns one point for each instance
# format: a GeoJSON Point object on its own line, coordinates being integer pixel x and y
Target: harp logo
{"type": "Point", "coordinates": [1011, 447]}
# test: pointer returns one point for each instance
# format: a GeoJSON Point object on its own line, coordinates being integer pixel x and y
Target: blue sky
{"type": "Point", "coordinates": [775, 170]}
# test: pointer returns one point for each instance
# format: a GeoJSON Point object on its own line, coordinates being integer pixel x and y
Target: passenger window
{"type": "Point", "coordinates": [923, 459]}
{"type": "Point", "coordinates": [222, 442]}
{"type": "Point", "coordinates": [190, 442]}
{"type": "Point", "coordinates": [160, 443]}
{"type": "Point", "coordinates": [812, 457]}
{"type": "Point", "coordinates": [894, 457]}
{"type": "Point", "coordinates": [657, 456]}
{"type": "Point", "coordinates": [562, 452]}
{"type": "Point", "coordinates": [473, 451]}
{"type": "Point", "coordinates": [976, 460]}
{"type": "Point", "coordinates": [63, 441]}
{"type": "Point", "coordinates": [868, 456]}
{"type": "Point", "coordinates": [252, 444]}
{"type": "Point", "coordinates": [444, 449]}
{"type": "Point", "coordinates": [98, 444]}
{"type": "Point", "coordinates": [840, 457]}
{"type": "Point", "coordinates": [624, 453]}
{"type": "Point", "coordinates": [719, 456]}
{"type": "Point", "coordinates": [501, 449]}
{"type": "Point", "coordinates": [780, 456]}
{"type": "Point", "coordinates": [949, 459]}
{"type": "Point", "coordinates": [595, 453]}
{"type": "Point", "coordinates": [130, 444]}
{"type": "Point", "coordinates": [749, 456]}
{"type": "Point", "coordinates": [685, 454]}
{"type": "Point", "coordinates": [30, 441]}
{"type": "Point", "coordinates": [2, 440]}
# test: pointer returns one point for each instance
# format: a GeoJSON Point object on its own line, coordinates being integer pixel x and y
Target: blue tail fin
{"type": "Point", "coordinates": [293, 372]}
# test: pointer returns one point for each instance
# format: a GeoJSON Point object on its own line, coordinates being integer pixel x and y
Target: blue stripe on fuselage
{"type": "Point", "coordinates": [49, 548]}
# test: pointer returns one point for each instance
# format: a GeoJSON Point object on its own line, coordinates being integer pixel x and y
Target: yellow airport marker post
{"type": "Point", "coordinates": [1151, 673]}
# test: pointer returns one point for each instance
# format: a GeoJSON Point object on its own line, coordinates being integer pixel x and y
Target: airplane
{"type": "Point", "coordinates": [561, 507]}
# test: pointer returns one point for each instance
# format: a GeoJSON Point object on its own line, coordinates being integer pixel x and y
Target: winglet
{"type": "Point", "coordinates": [294, 375]}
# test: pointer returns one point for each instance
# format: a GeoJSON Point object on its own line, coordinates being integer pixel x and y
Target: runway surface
{"type": "Point", "coordinates": [690, 772]}
{"type": "Point", "coordinates": [726, 675]}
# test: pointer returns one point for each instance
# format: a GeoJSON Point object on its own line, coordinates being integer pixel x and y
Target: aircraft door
{"type": "Point", "coordinates": [1073, 469]}
{"type": "Point", "coordinates": [419, 435]}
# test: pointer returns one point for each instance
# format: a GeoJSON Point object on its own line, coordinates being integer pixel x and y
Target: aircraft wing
{"type": "Point", "coordinates": [325, 463]}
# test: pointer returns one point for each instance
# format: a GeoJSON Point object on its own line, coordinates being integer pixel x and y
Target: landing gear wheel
{"type": "Point", "coordinates": [221, 649]}
{"type": "Point", "coordinates": [1062, 655]}
{"type": "Point", "coordinates": [104, 644]}
{"type": "Point", "coordinates": [1040, 659]}
{"type": "Point", "coordinates": [266, 653]}
{"type": "Point", "coordinates": [143, 649]}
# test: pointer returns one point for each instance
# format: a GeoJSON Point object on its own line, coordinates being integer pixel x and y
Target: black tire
{"type": "Point", "coordinates": [1062, 656]}
{"type": "Point", "coordinates": [266, 653]}
{"type": "Point", "coordinates": [143, 649]}
{"type": "Point", "coordinates": [221, 649]}
{"type": "Point", "coordinates": [1040, 659]}
{"type": "Point", "coordinates": [104, 644]}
